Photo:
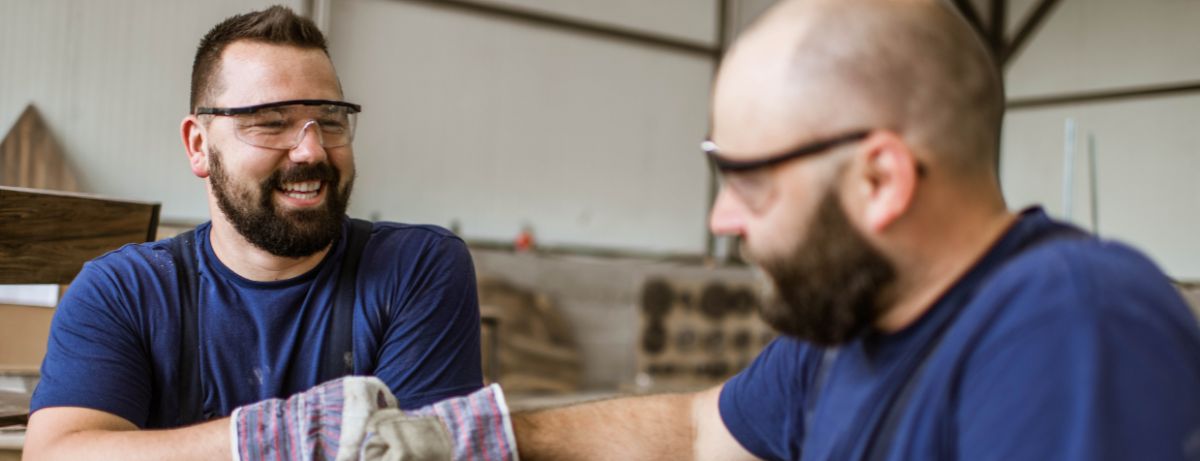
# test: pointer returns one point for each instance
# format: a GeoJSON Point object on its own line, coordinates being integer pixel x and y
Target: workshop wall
{"type": "Point", "coordinates": [111, 79]}
{"type": "Point", "coordinates": [1147, 149]}
{"type": "Point", "coordinates": [495, 124]}
{"type": "Point", "coordinates": [492, 123]}
{"type": "Point", "coordinates": [498, 124]}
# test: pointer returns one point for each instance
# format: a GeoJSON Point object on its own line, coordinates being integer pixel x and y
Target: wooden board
{"type": "Point", "coordinates": [14, 408]}
{"type": "Point", "coordinates": [45, 237]}
{"type": "Point", "coordinates": [31, 157]}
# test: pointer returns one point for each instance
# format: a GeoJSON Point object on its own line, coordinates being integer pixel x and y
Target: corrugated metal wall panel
{"type": "Point", "coordinates": [112, 80]}
{"type": "Point", "coordinates": [693, 20]}
{"type": "Point", "coordinates": [495, 124]}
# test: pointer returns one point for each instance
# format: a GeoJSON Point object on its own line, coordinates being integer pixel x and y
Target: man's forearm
{"type": "Point", "coordinates": [206, 441]}
{"type": "Point", "coordinates": [653, 428]}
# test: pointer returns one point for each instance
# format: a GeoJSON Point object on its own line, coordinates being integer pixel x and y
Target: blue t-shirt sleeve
{"type": "Point", "coordinates": [763, 406]}
{"type": "Point", "coordinates": [430, 350]}
{"type": "Point", "coordinates": [1091, 372]}
{"type": "Point", "coordinates": [95, 357]}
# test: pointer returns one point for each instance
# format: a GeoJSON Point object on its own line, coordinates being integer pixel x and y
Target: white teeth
{"type": "Point", "coordinates": [301, 195]}
{"type": "Point", "coordinates": [307, 186]}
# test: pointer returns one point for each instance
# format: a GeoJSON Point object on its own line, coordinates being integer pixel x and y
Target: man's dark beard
{"type": "Point", "coordinates": [292, 234]}
{"type": "Point", "coordinates": [830, 288]}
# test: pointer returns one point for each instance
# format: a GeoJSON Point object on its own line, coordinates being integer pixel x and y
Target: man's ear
{"type": "Point", "coordinates": [195, 142]}
{"type": "Point", "coordinates": [884, 179]}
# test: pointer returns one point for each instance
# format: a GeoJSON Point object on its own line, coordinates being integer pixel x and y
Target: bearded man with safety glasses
{"type": "Point", "coordinates": [280, 295]}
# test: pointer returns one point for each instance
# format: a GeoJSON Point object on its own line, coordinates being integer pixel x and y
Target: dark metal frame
{"type": "Point", "coordinates": [995, 31]}
{"type": "Point", "coordinates": [1006, 50]}
{"type": "Point", "coordinates": [1105, 95]}
{"type": "Point", "coordinates": [710, 240]}
{"type": "Point", "coordinates": [575, 25]}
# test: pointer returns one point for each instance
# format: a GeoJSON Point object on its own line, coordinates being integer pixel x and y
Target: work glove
{"type": "Point", "coordinates": [472, 427]}
{"type": "Point", "coordinates": [327, 422]}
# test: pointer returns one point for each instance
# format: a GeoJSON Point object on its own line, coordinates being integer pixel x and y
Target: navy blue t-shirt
{"type": "Point", "coordinates": [1056, 345]}
{"type": "Point", "coordinates": [115, 341]}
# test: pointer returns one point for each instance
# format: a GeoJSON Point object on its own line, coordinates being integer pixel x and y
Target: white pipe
{"type": "Point", "coordinates": [1068, 168]}
{"type": "Point", "coordinates": [1094, 199]}
{"type": "Point", "coordinates": [320, 15]}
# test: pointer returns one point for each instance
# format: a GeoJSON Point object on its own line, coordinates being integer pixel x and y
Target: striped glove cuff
{"type": "Point", "coordinates": [478, 424]}
{"type": "Point", "coordinates": [327, 422]}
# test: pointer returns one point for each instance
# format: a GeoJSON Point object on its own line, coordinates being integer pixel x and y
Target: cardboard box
{"type": "Point", "coordinates": [23, 334]}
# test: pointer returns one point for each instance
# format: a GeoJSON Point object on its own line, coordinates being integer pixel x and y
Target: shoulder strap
{"type": "Point", "coordinates": [338, 360]}
{"type": "Point", "coordinates": [889, 425]}
{"type": "Point", "coordinates": [192, 393]}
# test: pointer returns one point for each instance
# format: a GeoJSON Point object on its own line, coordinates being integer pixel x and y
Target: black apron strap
{"type": "Point", "coordinates": [338, 360]}
{"type": "Point", "coordinates": [191, 387]}
{"type": "Point", "coordinates": [886, 428]}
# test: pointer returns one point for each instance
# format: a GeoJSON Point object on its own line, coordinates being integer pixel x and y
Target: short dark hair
{"type": "Point", "coordinates": [275, 25]}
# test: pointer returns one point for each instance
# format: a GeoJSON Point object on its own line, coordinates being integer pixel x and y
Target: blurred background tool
{"type": "Point", "coordinates": [696, 331]}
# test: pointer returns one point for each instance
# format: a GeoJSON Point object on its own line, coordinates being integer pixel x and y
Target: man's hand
{"type": "Point", "coordinates": [473, 427]}
{"type": "Point", "coordinates": [328, 421]}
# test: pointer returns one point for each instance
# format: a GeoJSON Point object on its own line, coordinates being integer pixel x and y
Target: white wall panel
{"type": "Point", "coordinates": [1148, 169]}
{"type": "Point", "coordinates": [112, 80]}
{"type": "Point", "coordinates": [693, 20]}
{"type": "Point", "coordinates": [495, 124]}
{"type": "Point", "coordinates": [1148, 149]}
{"type": "Point", "coordinates": [743, 13]}
{"type": "Point", "coordinates": [1100, 44]}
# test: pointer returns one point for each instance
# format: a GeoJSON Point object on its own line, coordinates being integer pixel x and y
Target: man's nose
{"type": "Point", "coordinates": [308, 147]}
{"type": "Point", "coordinates": [728, 216]}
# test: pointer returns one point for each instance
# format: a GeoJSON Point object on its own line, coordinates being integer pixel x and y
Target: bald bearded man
{"type": "Point", "coordinates": [857, 142]}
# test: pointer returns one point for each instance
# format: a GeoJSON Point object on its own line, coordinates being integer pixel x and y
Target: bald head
{"type": "Point", "coordinates": [818, 68]}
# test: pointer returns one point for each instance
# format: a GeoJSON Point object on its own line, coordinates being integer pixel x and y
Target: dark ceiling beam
{"type": "Point", "coordinates": [998, 28]}
{"type": "Point", "coordinates": [722, 41]}
{"type": "Point", "coordinates": [994, 32]}
{"type": "Point", "coordinates": [579, 26]}
{"type": "Point", "coordinates": [968, 12]}
{"type": "Point", "coordinates": [1167, 89]}
{"type": "Point", "coordinates": [1028, 27]}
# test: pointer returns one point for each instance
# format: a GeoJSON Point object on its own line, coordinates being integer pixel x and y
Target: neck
{"type": "Point", "coordinates": [949, 247]}
{"type": "Point", "coordinates": [251, 262]}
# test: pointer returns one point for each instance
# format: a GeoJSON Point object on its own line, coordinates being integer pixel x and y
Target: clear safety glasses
{"type": "Point", "coordinates": [750, 180]}
{"type": "Point", "coordinates": [283, 124]}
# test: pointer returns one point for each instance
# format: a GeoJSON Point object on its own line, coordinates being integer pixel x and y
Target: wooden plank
{"type": "Point", "coordinates": [31, 157]}
{"type": "Point", "coordinates": [14, 408]}
{"type": "Point", "coordinates": [47, 236]}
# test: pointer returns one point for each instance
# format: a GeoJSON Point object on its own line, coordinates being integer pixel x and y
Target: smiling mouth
{"type": "Point", "coordinates": [303, 190]}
